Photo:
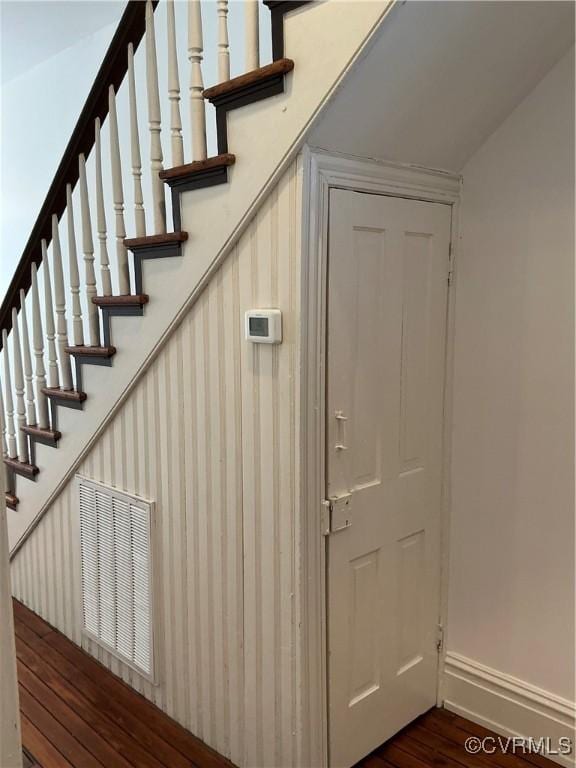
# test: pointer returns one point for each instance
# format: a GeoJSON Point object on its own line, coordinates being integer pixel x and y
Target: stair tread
{"type": "Point", "coordinates": [21, 467]}
{"type": "Point", "coordinates": [121, 301]}
{"type": "Point", "coordinates": [91, 351]}
{"type": "Point", "coordinates": [11, 500]}
{"type": "Point", "coordinates": [64, 394]}
{"type": "Point", "coordinates": [198, 166]}
{"type": "Point", "coordinates": [35, 431]}
{"type": "Point", "coordinates": [279, 67]}
{"type": "Point", "coordinates": [148, 240]}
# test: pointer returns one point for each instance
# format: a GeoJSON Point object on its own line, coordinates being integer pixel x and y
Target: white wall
{"type": "Point", "coordinates": [39, 110]}
{"type": "Point", "coordinates": [511, 604]}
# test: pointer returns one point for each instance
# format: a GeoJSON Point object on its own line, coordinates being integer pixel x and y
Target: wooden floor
{"type": "Point", "coordinates": [76, 714]}
{"type": "Point", "coordinates": [437, 739]}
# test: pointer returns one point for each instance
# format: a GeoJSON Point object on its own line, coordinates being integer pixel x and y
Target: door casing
{"type": "Point", "coordinates": [323, 171]}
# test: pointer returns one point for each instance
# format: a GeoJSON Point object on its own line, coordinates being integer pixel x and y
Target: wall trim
{"type": "Point", "coordinates": [505, 704]}
{"type": "Point", "coordinates": [322, 171]}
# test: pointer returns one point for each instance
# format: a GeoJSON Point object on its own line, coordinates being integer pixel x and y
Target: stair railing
{"type": "Point", "coordinates": [94, 162]}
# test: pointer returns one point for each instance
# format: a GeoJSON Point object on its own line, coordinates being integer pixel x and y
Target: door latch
{"type": "Point", "coordinates": [339, 510]}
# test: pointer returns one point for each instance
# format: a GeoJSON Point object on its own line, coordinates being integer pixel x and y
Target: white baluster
{"type": "Point", "coordinates": [60, 302]}
{"type": "Point", "coordinates": [4, 441]}
{"type": "Point", "coordinates": [174, 89]}
{"type": "Point", "coordinates": [88, 251]}
{"type": "Point", "coordinates": [252, 30]}
{"type": "Point", "coordinates": [53, 380]}
{"type": "Point", "coordinates": [38, 339]}
{"type": "Point", "coordinates": [195, 51]}
{"type": "Point", "coordinates": [154, 122]}
{"type": "Point", "coordinates": [27, 356]}
{"type": "Point", "coordinates": [101, 215]}
{"type": "Point", "coordinates": [21, 438]}
{"type": "Point", "coordinates": [139, 214]}
{"type": "Point", "coordinates": [77, 327]}
{"type": "Point", "coordinates": [10, 429]}
{"type": "Point", "coordinates": [223, 42]}
{"type": "Point", "coordinates": [118, 193]}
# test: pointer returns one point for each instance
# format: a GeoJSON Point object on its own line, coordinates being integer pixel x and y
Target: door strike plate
{"type": "Point", "coordinates": [340, 512]}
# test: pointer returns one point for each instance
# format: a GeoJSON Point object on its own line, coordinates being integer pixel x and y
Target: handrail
{"type": "Point", "coordinates": [112, 71]}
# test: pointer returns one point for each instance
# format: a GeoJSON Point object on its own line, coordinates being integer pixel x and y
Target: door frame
{"type": "Point", "coordinates": [323, 170]}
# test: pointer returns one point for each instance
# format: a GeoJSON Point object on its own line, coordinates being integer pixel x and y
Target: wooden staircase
{"type": "Point", "coordinates": [262, 118]}
{"type": "Point", "coordinates": [256, 85]}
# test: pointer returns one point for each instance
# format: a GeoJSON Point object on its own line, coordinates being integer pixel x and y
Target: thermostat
{"type": "Point", "coordinates": [264, 326]}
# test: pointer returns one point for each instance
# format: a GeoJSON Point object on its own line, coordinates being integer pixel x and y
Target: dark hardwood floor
{"type": "Point", "coordinates": [77, 714]}
{"type": "Point", "coordinates": [437, 740]}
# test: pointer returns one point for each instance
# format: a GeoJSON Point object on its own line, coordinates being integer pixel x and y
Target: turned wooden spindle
{"type": "Point", "coordinates": [252, 36]}
{"type": "Point", "coordinates": [88, 251]}
{"type": "Point", "coordinates": [53, 377]}
{"type": "Point", "coordinates": [38, 341]}
{"type": "Point", "coordinates": [118, 194]}
{"type": "Point", "coordinates": [223, 42]}
{"type": "Point", "coordinates": [60, 303]}
{"type": "Point", "coordinates": [154, 122]}
{"type": "Point", "coordinates": [176, 144]}
{"type": "Point", "coordinates": [195, 55]}
{"type": "Point", "coordinates": [27, 359]}
{"type": "Point", "coordinates": [11, 446]}
{"type": "Point", "coordinates": [21, 437]}
{"type": "Point", "coordinates": [139, 213]}
{"type": "Point", "coordinates": [3, 431]}
{"type": "Point", "coordinates": [101, 215]}
{"type": "Point", "coordinates": [77, 326]}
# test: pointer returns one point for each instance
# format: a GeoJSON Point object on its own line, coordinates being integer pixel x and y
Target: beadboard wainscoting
{"type": "Point", "coordinates": [210, 434]}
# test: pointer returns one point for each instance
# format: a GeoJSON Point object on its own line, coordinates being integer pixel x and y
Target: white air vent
{"type": "Point", "coordinates": [116, 572]}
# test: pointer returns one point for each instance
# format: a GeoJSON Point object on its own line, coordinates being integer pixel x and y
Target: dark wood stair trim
{"type": "Point", "coordinates": [232, 89]}
{"type": "Point", "coordinates": [196, 175]}
{"type": "Point", "coordinates": [11, 500]}
{"type": "Point", "coordinates": [70, 398]}
{"type": "Point", "coordinates": [119, 306]}
{"type": "Point", "coordinates": [91, 352]}
{"type": "Point", "coordinates": [22, 468]}
{"type": "Point", "coordinates": [154, 247]}
{"type": "Point", "coordinates": [121, 301]}
{"type": "Point", "coordinates": [155, 241]}
{"type": "Point", "coordinates": [197, 168]}
{"type": "Point", "coordinates": [44, 436]}
{"type": "Point", "coordinates": [245, 89]}
{"type": "Point", "coordinates": [277, 10]}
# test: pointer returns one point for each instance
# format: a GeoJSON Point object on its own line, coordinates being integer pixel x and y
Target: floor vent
{"type": "Point", "coordinates": [115, 534]}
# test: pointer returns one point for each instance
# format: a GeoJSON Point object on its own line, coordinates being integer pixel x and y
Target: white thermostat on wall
{"type": "Point", "coordinates": [263, 326]}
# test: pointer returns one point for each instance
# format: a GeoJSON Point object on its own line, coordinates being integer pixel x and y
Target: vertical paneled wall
{"type": "Point", "coordinates": [210, 433]}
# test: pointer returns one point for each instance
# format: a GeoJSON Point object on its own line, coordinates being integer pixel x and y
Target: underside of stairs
{"type": "Point", "coordinates": [254, 143]}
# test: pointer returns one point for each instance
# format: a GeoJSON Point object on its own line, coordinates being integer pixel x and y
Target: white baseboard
{"type": "Point", "coordinates": [506, 705]}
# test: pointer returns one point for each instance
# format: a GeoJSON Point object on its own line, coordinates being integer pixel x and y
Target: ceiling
{"type": "Point", "coordinates": [441, 76]}
{"type": "Point", "coordinates": [32, 31]}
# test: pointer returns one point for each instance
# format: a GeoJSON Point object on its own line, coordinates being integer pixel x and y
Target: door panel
{"type": "Point", "coordinates": [387, 284]}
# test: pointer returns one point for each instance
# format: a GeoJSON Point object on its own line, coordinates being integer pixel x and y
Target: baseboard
{"type": "Point", "coordinates": [506, 705]}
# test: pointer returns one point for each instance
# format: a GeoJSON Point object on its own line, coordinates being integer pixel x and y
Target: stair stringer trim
{"type": "Point", "coordinates": [325, 40]}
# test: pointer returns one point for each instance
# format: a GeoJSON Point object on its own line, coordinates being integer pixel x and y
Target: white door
{"type": "Point", "coordinates": [387, 288]}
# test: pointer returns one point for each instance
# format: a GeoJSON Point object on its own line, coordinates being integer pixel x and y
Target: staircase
{"type": "Point", "coordinates": [157, 275]}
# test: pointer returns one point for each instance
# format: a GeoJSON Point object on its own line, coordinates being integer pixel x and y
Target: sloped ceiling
{"type": "Point", "coordinates": [441, 76]}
